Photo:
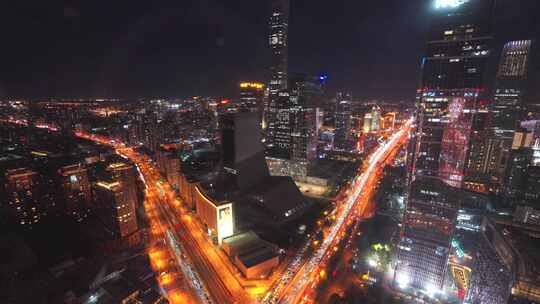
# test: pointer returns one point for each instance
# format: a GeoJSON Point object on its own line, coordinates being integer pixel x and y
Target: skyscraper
{"type": "Point", "coordinates": [342, 120]}
{"type": "Point", "coordinates": [251, 96]}
{"type": "Point", "coordinates": [305, 101]}
{"type": "Point", "coordinates": [278, 41]}
{"type": "Point", "coordinates": [508, 106]}
{"type": "Point", "coordinates": [282, 127]}
{"type": "Point", "coordinates": [116, 194]}
{"type": "Point", "coordinates": [296, 125]}
{"type": "Point", "coordinates": [76, 190]}
{"type": "Point", "coordinates": [450, 96]}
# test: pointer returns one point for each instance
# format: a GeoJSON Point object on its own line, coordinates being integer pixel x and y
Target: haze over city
{"type": "Point", "coordinates": [276, 151]}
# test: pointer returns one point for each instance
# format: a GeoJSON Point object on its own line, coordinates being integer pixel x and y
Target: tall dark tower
{"type": "Point", "coordinates": [277, 39]}
{"type": "Point", "coordinates": [449, 102]}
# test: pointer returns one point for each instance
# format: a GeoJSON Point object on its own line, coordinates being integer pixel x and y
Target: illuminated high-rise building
{"type": "Point", "coordinates": [24, 196]}
{"type": "Point", "coordinates": [251, 96]}
{"type": "Point", "coordinates": [282, 127]}
{"type": "Point", "coordinates": [375, 118]}
{"type": "Point", "coordinates": [305, 101]}
{"type": "Point", "coordinates": [508, 106]}
{"type": "Point", "coordinates": [452, 89]}
{"type": "Point", "coordinates": [76, 190]}
{"type": "Point", "coordinates": [278, 41]}
{"type": "Point", "coordinates": [116, 194]}
{"type": "Point", "coordinates": [450, 95]}
{"type": "Point", "coordinates": [342, 120]}
{"type": "Point", "coordinates": [297, 125]}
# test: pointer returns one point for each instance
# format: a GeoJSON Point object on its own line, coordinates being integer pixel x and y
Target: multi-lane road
{"type": "Point", "coordinates": [212, 280]}
{"type": "Point", "coordinates": [303, 271]}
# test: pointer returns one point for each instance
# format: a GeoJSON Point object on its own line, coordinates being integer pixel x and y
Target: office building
{"type": "Point", "coordinates": [126, 174]}
{"type": "Point", "coordinates": [251, 96]}
{"type": "Point", "coordinates": [117, 214]}
{"type": "Point", "coordinates": [278, 41]}
{"type": "Point", "coordinates": [516, 173]}
{"type": "Point", "coordinates": [452, 87]}
{"type": "Point", "coordinates": [375, 118]}
{"type": "Point", "coordinates": [507, 108]}
{"type": "Point", "coordinates": [296, 129]}
{"type": "Point", "coordinates": [342, 120]}
{"type": "Point", "coordinates": [282, 127]}
{"type": "Point", "coordinates": [367, 122]}
{"type": "Point", "coordinates": [76, 190]}
{"type": "Point", "coordinates": [116, 199]}
{"type": "Point", "coordinates": [428, 227]}
{"type": "Point", "coordinates": [532, 188]}
{"type": "Point", "coordinates": [168, 161]}
{"type": "Point", "coordinates": [305, 102]}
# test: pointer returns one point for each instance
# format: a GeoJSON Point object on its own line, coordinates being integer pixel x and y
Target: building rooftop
{"type": "Point", "coordinates": [250, 249]}
{"type": "Point", "coordinates": [280, 196]}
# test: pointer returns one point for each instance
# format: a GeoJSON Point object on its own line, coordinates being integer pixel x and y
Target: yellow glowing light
{"type": "Point", "coordinates": [251, 85]}
{"type": "Point", "coordinates": [322, 274]}
{"type": "Point", "coordinates": [256, 290]}
{"type": "Point", "coordinates": [166, 279]}
{"type": "Point", "coordinates": [155, 254]}
{"type": "Point", "coordinates": [38, 153]}
{"type": "Point", "coordinates": [315, 243]}
{"type": "Point", "coordinates": [159, 264]}
{"type": "Point", "coordinates": [116, 165]}
{"type": "Point", "coordinates": [108, 186]}
{"type": "Point", "coordinates": [177, 297]}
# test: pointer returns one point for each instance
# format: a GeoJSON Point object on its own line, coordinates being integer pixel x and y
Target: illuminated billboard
{"type": "Point", "coordinates": [224, 221]}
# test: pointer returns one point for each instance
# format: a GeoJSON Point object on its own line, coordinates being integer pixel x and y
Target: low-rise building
{"type": "Point", "coordinates": [254, 257]}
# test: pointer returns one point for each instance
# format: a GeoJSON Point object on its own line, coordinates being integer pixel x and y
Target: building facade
{"type": "Point", "coordinates": [25, 201]}
{"type": "Point", "coordinates": [342, 119]}
{"type": "Point", "coordinates": [76, 190]}
{"type": "Point", "coordinates": [450, 97]}
{"type": "Point", "coordinates": [278, 41]}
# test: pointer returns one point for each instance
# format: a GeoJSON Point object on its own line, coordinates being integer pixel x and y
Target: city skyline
{"type": "Point", "coordinates": [281, 180]}
{"type": "Point", "coordinates": [206, 48]}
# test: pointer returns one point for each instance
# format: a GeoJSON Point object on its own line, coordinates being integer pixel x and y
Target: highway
{"type": "Point", "coordinates": [211, 278]}
{"type": "Point", "coordinates": [303, 271]}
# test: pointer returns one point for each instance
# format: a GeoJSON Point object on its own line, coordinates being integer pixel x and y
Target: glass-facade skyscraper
{"type": "Point", "coordinates": [278, 40]}
{"type": "Point", "coordinates": [508, 106]}
{"type": "Point", "coordinates": [342, 120]}
{"type": "Point", "coordinates": [450, 105]}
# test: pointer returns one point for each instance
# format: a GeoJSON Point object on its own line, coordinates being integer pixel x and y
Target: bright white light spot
{"type": "Point", "coordinates": [431, 290]}
{"type": "Point", "coordinates": [372, 263]}
{"type": "Point", "coordinates": [449, 3]}
{"type": "Point", "coordinates": [403, 280]}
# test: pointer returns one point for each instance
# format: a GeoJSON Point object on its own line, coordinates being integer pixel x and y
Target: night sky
{"type": "Point", "coordinates": [205, 47]}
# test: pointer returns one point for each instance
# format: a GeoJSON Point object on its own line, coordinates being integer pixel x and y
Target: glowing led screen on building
{"type": "Point", "coordinates": [225, 222]}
